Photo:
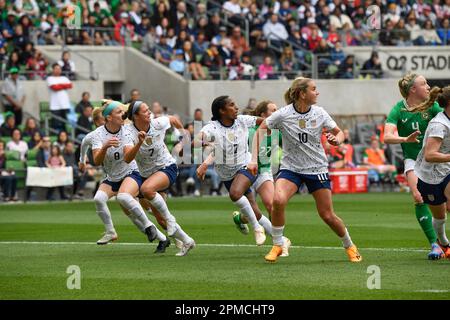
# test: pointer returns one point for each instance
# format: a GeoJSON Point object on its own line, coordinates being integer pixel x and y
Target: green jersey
{"type": "Point", "coordinates": [408, 122]}
{"type": "Point", "coordinates": [265, 149]}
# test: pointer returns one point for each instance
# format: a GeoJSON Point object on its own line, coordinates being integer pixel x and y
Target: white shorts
{"type": "Point", "coordinates": [409, 165]}
{"type": "Point", "coordinates": [262, 177]}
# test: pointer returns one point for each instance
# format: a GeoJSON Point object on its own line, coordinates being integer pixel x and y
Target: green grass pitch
{"type": "Point", "coordinates": [38, 242]}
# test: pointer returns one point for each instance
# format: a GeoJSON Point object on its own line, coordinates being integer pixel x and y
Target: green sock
{"type": "Point", "coordinates": [424, 217]}
{"type": "Point", "coordinates": [237, 219]}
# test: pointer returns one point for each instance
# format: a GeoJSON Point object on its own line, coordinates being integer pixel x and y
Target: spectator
{"type": "Point", "coordinates": [347, 68]}
{"type": "Point", "coordinates": [59, 98]}
{"type": "Point", "coordinates": [372, 67]}
{"type": "Point", "coordinates": [30, 127]}
{"type": "Point", "coordinates": [261, 50]}
{"type": "Point", "coordinates": [213, 61]}
{"type": "Point", "coordinates": [149, 41]}
{"type": "Point", "coordinates": [84, 121]}
{"type": "Point", "coordinates": [392, 14]}
{"type": "Point", "coordinates": [401, 35]}
{"type": "Point", "coordinates": [266, 70]}
{"type": "Point", "coordinates": [429, 34]}
{"type": "Point", "coordinates": [55, 160]}
{"type": "Point", "coordinates": [338, 19]}
{"type": "Point", "coordinates": [177, 64]}
{"type": "Point", "coordinates": [124, 30]}
{"type": "Point", "coordinates": [84, 102]}
{"type": "Point", "coordinates": [234, 12]}
{"type": "Point", "coordinates": [13, 95]}
{"type": "Point", "coordinates": [161, 13]}
{"type": "Point", "coordinates": [9, 125]}
{"type": "Point", "coordinates": [323, 19]}
{"type": "Point", "coordinates": [17, 144]}
{"type": "Point", "coordinates": [195, 68]}
{"type": "Point", "coordinates": [14, 61]}
{"type": "Point", "coordinates": [8, 179]}
{"type": "Point", "coordinates": [67, 66]}
{"type": "Point", "coordinates": [414, 29]}
{"type": "Point", "coordinates": [36, 141]}
{"type": "Point", "coordinates": [238, 41]}
{"type": "Point", "coordinates": [61, 141]}
{"type": "Point", "coordinates": [444, 31]}
{"type": "Point", "coordinates": [163, 52]}
{"type": "Point", "coordinates": [375, 159]}
{"type": "Point", "coordinates": [235, 67]}
{"type": "Point", "coordinates": [275, 31]}
{"type": "Point", "coordinates": [134, 95]}
{"type": "Point", "coordinates": [200, 44]}
{"type": "Point", "coordinates": [255, 21]}
{"type": "Point", "coordinates": [214, 25]}
{"type": "Point", "coordinates": [288, 63]}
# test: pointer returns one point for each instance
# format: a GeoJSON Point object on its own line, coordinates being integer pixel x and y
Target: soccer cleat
{"type": "Point", "coordinates": [272, 256]}
{"type": "Point", "coordinates": [353, 254]}
{"type": "Point", "coordinates": [178, 243]}
{"type": "Point", "coordinates": [186, 248]}
{"type": "Point", "coordinates": [260, 235]}
{"type": "Point", "coordinates": [151, 233]}
{"type": "Point", "coordinates": [445, 249]}
{"type": "Point", "coordinates": [243, 228]}
{"type": "Point", "coordinates": [162, 245]}
{"type": "Point", "coordinates": [436, 252]}
{"type": "Point", "coordinates": [286, 245]}
{"type": "Point", "coordinates": [171, 227]}
{"type": "Point", "coordinates": [108, 237]}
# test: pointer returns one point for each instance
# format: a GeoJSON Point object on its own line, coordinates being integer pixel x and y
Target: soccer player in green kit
{"type": "Point", "coordinates": [411, 127]}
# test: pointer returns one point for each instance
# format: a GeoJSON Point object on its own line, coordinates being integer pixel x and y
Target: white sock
{"type": "Point", "coordinates": [267, 225]}
{"type": "Point", "coordinates": [439, 228]}
{"type": "Point", "coordinates": [181, 235]}
{"type": "Point", "coordinates": [159, 235]}
{"type": "Point", "coordinates": [102, 209]}
{"type": "Point", "coordinates": [136, 222]}
{"type": "Point", "coordinates": [129, 203]}
{"type": "Point", "coordinates": [160, 205]}
{"type": "Point", "coordinates": [346, 240]}
{"type": "Point", "coordinates": [277, 235]}
{"type": "Point", "coordinates": [245, 207]}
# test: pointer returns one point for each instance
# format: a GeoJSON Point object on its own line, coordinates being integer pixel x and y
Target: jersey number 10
{"type": "Point", "coordinates": [303, 137]}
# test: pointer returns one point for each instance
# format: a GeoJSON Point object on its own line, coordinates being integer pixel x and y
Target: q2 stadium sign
{"type": "Point", "coordinates": [431, 62]}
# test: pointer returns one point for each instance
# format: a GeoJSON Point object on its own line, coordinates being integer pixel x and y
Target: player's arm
{"type": "Point", "coordinates": [335, 136]}
{"type": "Point", "coordinates": [130, 152]}
{"type": "Point", "coordinates": [252, 167]}
{"type": "Point", "coordinates": [100, 153]}
{"type": "Point", "coordinates": [259, 120]}
{"type": "Point", "coordinates": [432, 153]}
{"type": "Point", "coordinates": [201, 170]}
{"type": "Point", "coordinates": [391, 137]}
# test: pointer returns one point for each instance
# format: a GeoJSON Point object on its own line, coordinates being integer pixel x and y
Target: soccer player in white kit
{"type": "Point", "coordinates": [228, 133]}
{"type": "Point", "coordinates": [433, 169]}
{"type": "Point", "coordinates": [108, 150]}
{"type": "Point", "coordinates": [158, 169]}
{"type": "Point", "coordinates": [303, 161]}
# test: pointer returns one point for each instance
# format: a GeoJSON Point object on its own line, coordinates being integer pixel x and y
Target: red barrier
{"type": "Point", "coordinates": [349, 180]}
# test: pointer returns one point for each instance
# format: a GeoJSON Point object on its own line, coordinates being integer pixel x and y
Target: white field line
{"type": "Point", "coordinates": [219, 245]}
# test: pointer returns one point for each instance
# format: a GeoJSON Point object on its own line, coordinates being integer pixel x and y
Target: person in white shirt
{"type": "Point", "coordinates": [304, 161]}
{"type": "Point", "coordinates": [158, 169]}
{"type": "Point", "coordinates": [228, 134]}
{"type": "Point", "coordinates": [108, 150]}
{"type": "Point", "coordinates": [59, 97]}
{"type": "Point", "coordinates": [433, 168]}
{"type": "Point", "coordinates": [274, 30]}
{"type": "Point", "coordinates": [17, 144]}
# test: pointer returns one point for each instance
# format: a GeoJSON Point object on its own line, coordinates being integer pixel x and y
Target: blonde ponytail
{"type": "Point", "coordinates": [300, 84]}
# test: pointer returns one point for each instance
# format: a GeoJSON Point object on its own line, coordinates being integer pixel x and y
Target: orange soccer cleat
{"type": "Point", "coordinates": [274, 253]}
{"type": "Point", "coordinates": [353, 254]}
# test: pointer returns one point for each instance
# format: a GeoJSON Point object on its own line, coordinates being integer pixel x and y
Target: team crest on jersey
{"type": "Point", "coordinates": [148, 140]}
{"type": "Point", "coordinates": [231, 136]}
{"type": "Point", "coordinates": [302, 123]}
{"type": "Point", "coordinates": [425, 115]}
{"type": "Point", "coordinates": [431, 197]}
{"type": "Point", "coordinates": [313, 123]}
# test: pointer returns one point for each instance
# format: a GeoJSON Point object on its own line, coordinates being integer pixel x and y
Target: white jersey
{"type": "Point", "coordinates": [435, 173]}
{"type": "Point", "coordinates": [114, 165]}
{"type": "Point", "coordinates": [86, 144]}
{"type": "Point", "coordinates": [153, 154]}
{"type": "Point", "coordinates": [301, 134]}
{"type": "Point", "coordinates": [230, 145]}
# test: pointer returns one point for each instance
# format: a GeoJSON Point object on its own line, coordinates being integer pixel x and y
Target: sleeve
{"type": "Point", "coordinates": [435, 109]}
{"type": "Point", "coordinates": [436, 130]}
{"type": "Point", "coordinates": [208, 131]}
{"type": "Point", "coordinates": [97, 143]}
{"type": "Point", "coordinates": [85, 144]}
{"type": "Point", "coordinates": [129, 138]}
{"type": "Point", "coordinates": [162, 123]}
{"type": "Point", "coordinates": [393, 116]}
{"type": "Point", "coordinates": [5, 89]}
{"type": "Point", "coordinates": [249, 121]}
{"type": "Point", "coordinates": [274, 120]}
{"type": "Point", "coordinates": [329, 123]}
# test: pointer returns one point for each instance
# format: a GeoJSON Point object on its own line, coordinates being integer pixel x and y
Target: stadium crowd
{"type": "Point", "coordinates": [205, 39]}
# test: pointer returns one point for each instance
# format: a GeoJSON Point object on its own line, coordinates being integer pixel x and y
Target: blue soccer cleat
{"type": "Point", "coordinates": [436, 252]}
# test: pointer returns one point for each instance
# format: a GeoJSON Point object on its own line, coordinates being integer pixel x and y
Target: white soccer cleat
{"type": "Point", "coordinates": [186, 248]}
{"type": "Point", "coordinates": [178, 243]}
{"type": "Point", "coordinates": [108, 237]}
{"type": "Point", "coordinates": [260, 235]}
{"type": "Point", "coordinates": [286, 245]}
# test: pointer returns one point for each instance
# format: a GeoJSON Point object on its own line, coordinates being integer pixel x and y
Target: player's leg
{"type": "Point", "coordinates": [423, 213]}
{"type": "Point", "coordinates": [324, 207]}
{"type": "Point", "coordinates": [284, 190]}
{"type": "Point", "coordinates": [238, 188]}
{"type": "Point", "coordinates": [101, 198]}
{"type": "Point", "coordinates": [129, 189]}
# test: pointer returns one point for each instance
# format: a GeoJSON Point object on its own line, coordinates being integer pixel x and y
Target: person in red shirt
{"type": "Point", "coordinates": [124, 29]}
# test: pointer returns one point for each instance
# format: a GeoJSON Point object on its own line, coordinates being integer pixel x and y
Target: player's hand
{"type": "Point", "coordinates": [252, 167]}
{"type": "Point", "coordinates": [332, 139]}
{"type": "Point", "coordinates": [141, 136]}
{"type": "Point", "coordinates": [113, 142]}
{"type": "Point", "coordinates": [201, 171]}
{"type": "Point", "coordinates": [412, 138]}
{"type": "Point", "coordinates": [82, 166]}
